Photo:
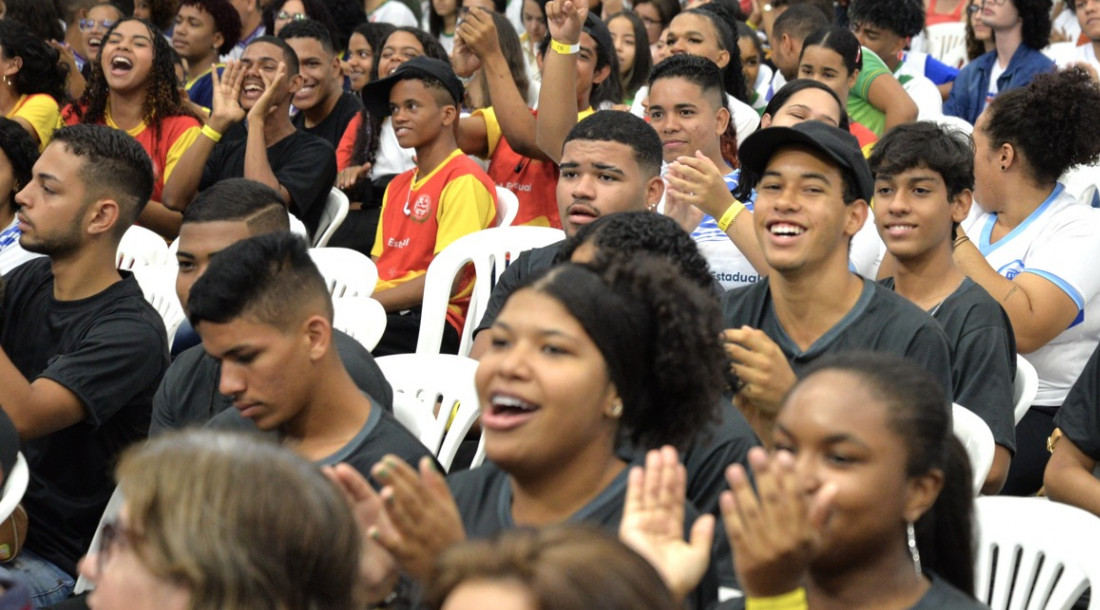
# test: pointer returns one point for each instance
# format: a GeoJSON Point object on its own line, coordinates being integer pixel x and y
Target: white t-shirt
{"type": "Point", "coordinates": [994, 73]}
{"type": "Point", "coordinates": [395, 13]}
{"type": "Point", "coordinates": [745, 119]}
{"type": "Point", "coordinates": [1057, 242]}
{"type": "Point", "coordinates": [1086, 54]}
{"type": "Point", "coordinates": [391, 158]}
{"type": "Point", "coordinates": [11, 253]}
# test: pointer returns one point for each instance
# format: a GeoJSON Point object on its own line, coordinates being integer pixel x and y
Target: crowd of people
{"type": "Point", "coordinates": [792, 243]}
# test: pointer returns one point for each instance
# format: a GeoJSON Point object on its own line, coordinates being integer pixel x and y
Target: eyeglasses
{"type": "Point", "coordinates": [285, 16]}
{"type": "Point", "coordinates": [113, 536]}
{"type": "Point", "coordinates": [89, 24]}
{"type": "Point", "coordinates": [973, 8]}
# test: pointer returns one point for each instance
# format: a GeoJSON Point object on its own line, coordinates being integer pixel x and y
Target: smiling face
{"type": "Point", "coordinates": [913, 213]}
{"type": "Point", "coordinates": [686, 119]}
{"type": "Point", "coordinates": [399, 48]}
{"type": "Point", "coordinates": [195, 36]}
{"type": "Point", "coordinates": [360, 61]}
{"type": "Point", "coordinates": [320, 74]}
{"type": "Point", "coordinates": [127, 57]}
{"type": "Point", "coordinates": [806, 105]}
{"type": "Point", "coordinates": [542, 374]}
{"type": "Point", "coordinates": [622, 36]}
{"type": "Point", "coordinates": [750, 60]}
{"type": "Point", "coordinates": [599, 178]}
{"type": "Point", "coordinates": [416, 113]}
{"type": "Point", "coordinates": [695, 35]}
{"type": "Point", "coordinates": [827, 66]}
{"type": "Point", "coordinates": [262, 59]}
{"type": "Point", "coordinates": [800, 217]}
{"type": "Point", "coordinates": [92, 30]}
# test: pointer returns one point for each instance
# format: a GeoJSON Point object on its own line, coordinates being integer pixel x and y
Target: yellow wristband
{"type": "Point", "coordinates": [795, 600]}
{"type": "Point", "coordinates": [565, 49]}
{"type": "Point", "coordinates": [211, 133]}
{"type": "Point", "coordinates": [731, 214]}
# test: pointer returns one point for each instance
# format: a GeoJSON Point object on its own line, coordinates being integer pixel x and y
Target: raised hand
{"type": "Point", "coordinates": [653, 522]}
{"type": "Point", "coordinates": [479, 33]}
{"type": "Point", "coordinates": [463, 58]}
{"type": "Point", "coordinates": [225, 107]}
{"type": "Point", "coordinates": [697, 181]}
{"type": "Point", "coordinates": [378, 573]}
{"type": "Point", "coordinates": [774, 534]}
{"type": "Point", "coordinates": [565, 19]}
{"type": "Point", "coordinates": [266, 104]}
{"type": "Point", "coordinates": [762, 367]}
{"type": "Point", "coordinates": [423, 513]}
{"type": "Point", "coordinates": [352, 175]}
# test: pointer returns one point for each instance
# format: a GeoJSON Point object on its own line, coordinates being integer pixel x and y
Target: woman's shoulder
{"type": "Point", "coordinates": [942, 595]}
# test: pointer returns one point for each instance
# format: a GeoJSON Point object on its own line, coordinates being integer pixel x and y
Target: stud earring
{"type": "Point", "coordinates": [1003, 168]}
{"type": "Point", "coordinates": [617, 409]}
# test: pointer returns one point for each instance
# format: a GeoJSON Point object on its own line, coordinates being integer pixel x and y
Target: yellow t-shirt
{"type": "Point", "coordinates": [42, 112]}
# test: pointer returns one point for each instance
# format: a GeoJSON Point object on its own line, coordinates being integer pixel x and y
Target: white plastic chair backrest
{"type": "Point", "coordinates": [490, 250]}
{"type": "Point", "coordinates": [944, 38]}
{"type": "Point", "coordinates": [1034, 554]}
{"type": "Point", "coordinates": [1024, 387]}
{"type": "Point", "coordinates": [1081, 182]}
{"type": "Point", "coordinates": [977, 438]}
{"type": "Point", "coordinates": [141, 247]}
{"type": "Point", "coordinates": [363, 318]}
{"type": "Point", "coordinates": [926, 96]}
{"type": "Point", "coordinates": [15, 485]}
{"type": "Point", "coordinates": [114, 507]}
{"type": "Point", "coordinates": [158, 284]}
{"type": "Point", "coordinates": [347, 272]}
{"type": "Point", "coordinates": [419, 382]}
{"type": "Point", "coordinates": [507, 207]}
{"type": "Point", "coordinates": [952, 122]}
{"type": "Point", "coordinates": [332, 216]}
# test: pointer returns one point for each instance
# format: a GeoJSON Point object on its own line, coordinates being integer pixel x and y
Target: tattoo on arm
{"type": "Point", "coordinates": [1010, 293]}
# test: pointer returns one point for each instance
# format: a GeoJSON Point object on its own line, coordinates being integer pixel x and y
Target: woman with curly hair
{"type": "Point", "coordinates": [32, 85]}
{"type": "Point", "coordinates": [133, 87]}
{"type": "Point", "coordinates": [979, 36]}
{"type": "Point", "coordinates": [18, 152]}
{"type": "Point", "coordinates": [1030, 244]}
{"type": "Point", "coordinates": [39, 15]}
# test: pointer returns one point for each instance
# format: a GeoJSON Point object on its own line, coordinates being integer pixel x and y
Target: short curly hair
{"type": "Point", "coordinates": [1054, 121]}
{"type": "Point", "coordinates": [19, 147]}
{"type": "Point", "coordinates": [658, 334]}
{"type": "Point", "coordinates": [227, 21]}
{"type": "Point", "coordinates": [1035, 15]}
{"type": "Point", "coordinates": [40, 72]}
{"type": "Point", "coordinates": [902, 17]}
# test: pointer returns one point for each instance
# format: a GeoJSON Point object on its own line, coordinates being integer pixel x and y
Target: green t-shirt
{"type": "Point", "coordinates": [859, 109]}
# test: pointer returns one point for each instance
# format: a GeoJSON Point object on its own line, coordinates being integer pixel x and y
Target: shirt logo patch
{"type": "Point", "coordinates": [422, 208]}
{"type": "Point", "coordinates": [1012, 269]}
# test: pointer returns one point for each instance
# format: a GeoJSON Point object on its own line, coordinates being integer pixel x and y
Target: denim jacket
{"type": "Point", "coordinates": [967, 99]}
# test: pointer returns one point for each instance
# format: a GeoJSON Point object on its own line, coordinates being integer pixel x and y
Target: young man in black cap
{"type": "Point", "coordinates": [811, 199]}
{"type": "Point", "coordinates": [424, 209]}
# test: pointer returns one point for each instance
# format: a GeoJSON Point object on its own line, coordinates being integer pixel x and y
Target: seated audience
{"type": "Point", "coordinates": [231, 210]}
{"type": "Point", "coordinates": [632, 49]}
{"type": "Point", "coordinates": [262, 310]}
{"type": "Point", "coordinates": [204, 30]}
{"type": "Point", "coordinates": [324, 108]}
{"type": "Point", "coordinates": [252, 26]}
{"type": "Point", "coordinates": [82, 351]}
{"type": "Point", "coordinates": [33, 85]}
{"type": "Point", "coordinates": [1085, 54]}
{"type": "Point", "coordinates": [446, 196]}
{"type": "Point", "coordinates": [1026, 240]}
{"type": "Point", "coordinates": [787, 35]}
{"type": "Point", "coordinates": [18, 153]}
{"type": "Point", "coordinates": [887, 29]}
{"type": "Point", "coordinates": [979, 36]}
{"type": "Point", "coordinates": [924, 180]}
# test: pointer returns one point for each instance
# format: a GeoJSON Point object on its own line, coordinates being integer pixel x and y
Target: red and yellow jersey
{"type": "Point", "coordinates": [41, 111]}
{"type": "Point", "coordinates": [164, 146]}
{"type": "Point", "coordinates": [420, 218]}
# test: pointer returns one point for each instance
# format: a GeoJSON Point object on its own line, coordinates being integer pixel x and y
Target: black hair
{"type": "Point", "coordinates": [376, 34]}
{"type": "Point", "coordinates": [666, 9]}
{"type": "Point", "coordinates": [974, 47]}
{"type": "Point", "coordinates": [825, 7]}
{"type": "Point", "coordinates": [126, 7]}
{"type": "Point", "coordinates": [921, 418]}
{"type": "Point", "coordinates": [798, 22]}
{"type": "Point", "coordinates": [733, 7]}
{"type": "Point", "coordinates": [366, 139]}
{"type": "Point", "coordinates": [941, 149]}
{"type": "Point", "coordinates": [255, 203]}
{"type": "Point", "coordinates": [114, 164]}
{"type": "Point", "coordinates": [659, 336]}
{"type": "Point", "coordinates": [162, 12]}
{"type": "Point", "coordinates": [904, 18]}
{"type": "Point", "coordinates": [733, 73]}
{"type": "Point", "coordinates": [624, 128]}
{"type": "Point", "coordinates": [699, 71]}
{"type": "Point", "coordinates": [315, 9]}
{"type": "Point", "coordinates": [269, 278]}
{"type": "Point", "coordinates": [512, 50]}
{"type": "Point", "coordinates": [308, 28]}
{"type": "Point", "coordinates": [627, 234]}
{"type": "Point", "coordinates": [643, 60]}
{"type": "Point", "coordinates": [290, 57]}
{"type": "Point", "coordinates": [1054, 121]}
{"type": "Point", "coordinates": [41, 72]}
{"type": "Point", "coordinates": [435, 20]}
{"type": "Point", "coordinates": [432, 47]}
{"type": "Point", "coordinates": [1035, 16]}
{"type": "Point", "coordinates": [347, 15]}
{"type": "Point", "coordinates": [227, 21]}
{"type": "Point", "coordinates": [38, 15]}
{"type": "Point", "coordinates": [744, 31]}
{"type": "Point", "coordinates": [19, 147]}
{"type": "Point", "coordinates": [839, 40]}
{"type": "Point", "coordinates": [610, 89]}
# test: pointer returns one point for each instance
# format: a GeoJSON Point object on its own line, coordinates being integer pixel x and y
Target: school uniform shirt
{"type": "Point", "coordinates": [422, 215]}
{"type": "Point", "coordinates": [970, 93]}
{"type": "Point", "coordinates": [922, 64]}
{"type": "Point", "coordinates": [983, 356]}
{"type": "Point", "coordinates": [164, 144]}
{"type": "Point", "coordinates": [1058, 243]}
{"type": "Point", "coordinates": [534, 182]}
{"type": "Point", "coordinates": [395, 13]}
{"type": "Point", "coordinates": [1084, 53]}
{"type": "Point", "coordinates": [880, 321]}
{"type": "Point", "coordinates": [859, 108]}
{"type": "Point", "coordinates": [41, 111]}
{"type": "Point", "coordinates": [11, 253]}
{"type": "Point", "coordinates": [1079, 417]}
{"type": "Point", "coordinates": [200, 89]}
{"type": "Point", "coordinates": [238, 50]}
{"type": "Point", "coordinates": [332, 127]}
{"type": "Point", "coordinates": [745, 119]}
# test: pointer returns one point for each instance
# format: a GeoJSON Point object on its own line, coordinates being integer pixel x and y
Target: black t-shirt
{"type": "Point", "coordinates": [983, 356]}
{"type": "Point", "coordinates": [1079, 415]}
{"type": "Point", "coordinates": [940, 596]}
{"type": "Point", "coordinates": [332, 127]}
{"type": "Point", "coordinates": [304, 164]}
{"type": "Point", "coordinates": [379, 436]}
{"type": "Point", "coordinates": [189, 395]}
{"type": "Point", "coordinates": [880, 321]}
{"type": "Point", "coordinates": [523, 268]}
{"type": "Point", "coordinates": [111, 350]}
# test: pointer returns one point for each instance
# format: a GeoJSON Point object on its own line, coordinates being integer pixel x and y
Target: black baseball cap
{"type": "Point", "coordinates": [376, 95]}
{"type": "Point", "coordinates": [597, 29]}
{"type": "Point", "coordinates": [837, 144]}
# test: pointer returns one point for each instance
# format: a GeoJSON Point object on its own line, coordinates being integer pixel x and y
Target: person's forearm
{"type": "Point", "coordinates": [971, 262]}
{"type": "Point", "coordinates": [1069, 482]}
{"type": "Point", "coordinates": [157, 217]}
{"type": "Point", "coordinates": [183, 184]}
{"type": "Point", "coordinates": [887, 94]}
{"type": "Point", "coordinates": [403, 296]}
{"type": "Point", "coordinates": [998, 472]}
{"type": "Point", "coordinates": [743, 235]}
{"type": "Point", "coordinates": [557, 103]}
{"type": "Point", "coordinates": [256, 165]}
{"type": "Point", "coordinates": [516, 121]}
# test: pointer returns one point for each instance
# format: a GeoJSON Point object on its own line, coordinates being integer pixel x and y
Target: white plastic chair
{"type": "Point", "coordinates": [952, 122]}
{"type": "Point", "coordinates": [363, 318]}
{"type": "Point", "coordinates": [977, 438]}
{"type": "Point", "coordinates": [110, 513]}
{"type": "Point", "coordinates": [347, 272]}
{"type": "Point", "coordinates": [333, 215]}
{"type": "Point", "coordinates": [507, 207]}
{"type": "Point", "coordinates": [490, 250]}
{"type": "Point", "coordinates": [926, 96]}
{"type": "Point", "coordinates": [158, 284]}
{"type": "Point", "coordinates": [1024, 387]}
{"type": "Point", "coordinates": [1034, 554]}
{"type": "Point", "coordinates": [945, 38]}
{"type": "Point", "coordinates": [141, 247]}
{"type": "Point", "coordinates": [420, 382]}
{"type": "Point", "coordinates": [15, 485]}
{"type": "Point", "coordinates": [1081, 182]}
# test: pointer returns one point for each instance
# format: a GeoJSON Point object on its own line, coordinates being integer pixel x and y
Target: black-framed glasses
{"type": "Point", "coordinates": [89, 24]}
{"type": "Point", "coordinates": [285, 16]}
